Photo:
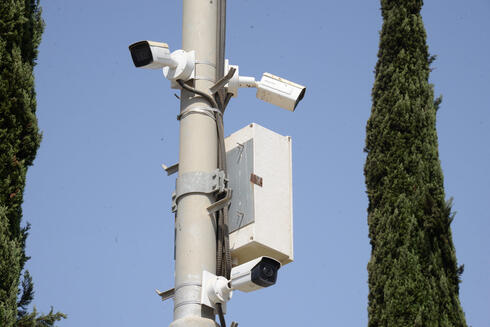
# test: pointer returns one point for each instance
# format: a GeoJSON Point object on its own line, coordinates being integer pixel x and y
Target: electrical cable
{"type": "Point", "coordinates": [221, 315]}
{"type": "Point", "coordinates": [223, 254]}
{"type": "Point", "coordinates": [222, 98]}
{"type": "Point", "coordinates": [203, 94]}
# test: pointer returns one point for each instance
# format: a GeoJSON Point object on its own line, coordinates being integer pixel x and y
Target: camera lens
{"type": "Point", "coordinates": [141, 53]}
{"type": "Point", "coordinates": [268, 271]}
{"type": "Point", "coordinates": [265, 272]}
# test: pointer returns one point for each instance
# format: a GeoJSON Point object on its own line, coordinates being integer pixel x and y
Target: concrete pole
{"type": "Point", "coordinates": [195, 227]}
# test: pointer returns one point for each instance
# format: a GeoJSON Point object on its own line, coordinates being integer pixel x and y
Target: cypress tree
{"type": "Point", "coordinates": [413, 274]}
{"type": "Point", "coordinates": [10, 254]}
{"type": "Point", "coordinates": [21, 27]}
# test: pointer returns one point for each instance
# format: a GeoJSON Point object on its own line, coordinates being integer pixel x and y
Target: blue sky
{"type": "Point", "coordinates": [99, 202]}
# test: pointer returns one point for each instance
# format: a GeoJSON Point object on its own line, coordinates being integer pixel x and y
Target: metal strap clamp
{"type": "Point", "coordinates": [204, 78]}
{"type": "Point", "coordinates": [205, 62]}
{"type": "Point", "coordinates": [199, 182]}
{"type": "Point", "coordinates": [207, 111]}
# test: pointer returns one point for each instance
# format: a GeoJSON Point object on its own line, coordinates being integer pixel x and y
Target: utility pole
{"type": "Point", "coordinates": [204, 274]}
{"type": "Point", "coordinates": [194, 227]}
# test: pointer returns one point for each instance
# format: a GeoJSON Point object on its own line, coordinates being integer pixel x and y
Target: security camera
{"type": "Point", "coordinates": [273, 89]}
{"type": "Point", "coordinates": [279, 91]}
{"type": "Point", "coordinates": [255, 274]}
{"type": "Point", "coordinates": [156, 55]}
{"type": "Point", "coordinates": [151, 55]}
{"type": "Point", "coordinates": [248, 277]}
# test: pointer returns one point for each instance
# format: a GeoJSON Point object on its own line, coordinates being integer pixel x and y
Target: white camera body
{"type": "Point", "coordinates": [255, 274]}
{"type": "Point", "coordinates": [151, 55]}
{"type": "Point", "coordinates": [250, 276]}
{"type": "Point", "coordinates": [271, 88]}
{"type": "Point", "coordinates": [279, 91]}
{"type": "Point", "coordinates": [177, 65]}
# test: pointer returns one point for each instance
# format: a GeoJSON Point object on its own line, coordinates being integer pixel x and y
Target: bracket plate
{"type": "Point", "coordinates": [168, 294]}
{"type": "Point", "coordinates": [198, 182]}
{"type": "Point", "coordinates": [240, 167]}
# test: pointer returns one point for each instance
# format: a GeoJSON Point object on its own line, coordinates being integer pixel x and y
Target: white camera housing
{"type": "Point", "coordinates": [156, 55]}
{"type": "Point", "coordinates": [151, 55]}
{"type": "Point", "coordinates": [253, 275]}
{"type": "Point", "coordinates": [271, 88]}
{"type": "Point", "coordinates": [279, 91]}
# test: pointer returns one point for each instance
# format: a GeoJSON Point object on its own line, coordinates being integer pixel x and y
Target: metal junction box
{"type": "Point", "coordinates": [260, 175]}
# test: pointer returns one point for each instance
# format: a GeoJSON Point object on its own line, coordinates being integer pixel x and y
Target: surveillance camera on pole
{"type": "Point", "coordinates": [271, 88]}
{"type": "Point", "coordinates": [250, 276]}
{"type": "Point", "coordinates": [207, 186]}
{"type": "Point", "coordinates": [178, 65]}
{"type": "Point", "coordinates": [255, 274]}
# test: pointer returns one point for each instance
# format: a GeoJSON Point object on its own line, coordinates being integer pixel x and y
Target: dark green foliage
{"type": "Point", "coordinates": [33, 319]}
{"type": "Point", "coordinates": [413, 275]}
{"type": "Point", "coordinates": [21, 27]}
{"type": "Point", "coordinates": [10, 254]}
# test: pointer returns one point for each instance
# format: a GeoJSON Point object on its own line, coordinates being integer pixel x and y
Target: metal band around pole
{"type": "Point", "coordinates": [207, 111]}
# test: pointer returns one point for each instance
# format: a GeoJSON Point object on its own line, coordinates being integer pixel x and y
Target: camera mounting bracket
{"type": "Point", "coordinates": [215, 290]}
{"type": "Point", "coordinates": [199, 182]}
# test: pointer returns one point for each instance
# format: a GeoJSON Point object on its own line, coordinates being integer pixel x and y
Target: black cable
{"type": "Point", "coordinates": [224, 269]}
{"type": "Point", "coordinates": [203, 94]}
{"type": "Point", "coordinates": [222, 321]}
